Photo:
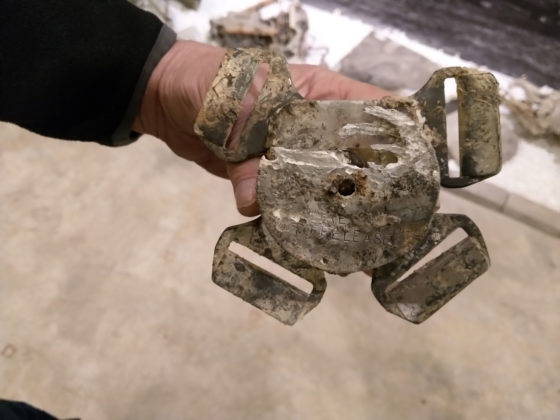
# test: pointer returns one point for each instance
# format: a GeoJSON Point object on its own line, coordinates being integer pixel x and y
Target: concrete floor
{"type": "Point", "coordinates": [107, 310]}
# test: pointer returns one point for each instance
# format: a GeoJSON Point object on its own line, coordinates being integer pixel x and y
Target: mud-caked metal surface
{"type": "Point", "coordinates": [350, 186]}
{"type": "Point", "coordinates": [345, 186]}
{"type": "Point", "coordinates": [428, 288]}
{"type": "Point", "coordinates": [264, 290]}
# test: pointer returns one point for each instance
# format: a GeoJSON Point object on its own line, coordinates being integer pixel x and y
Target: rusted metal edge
{"type": "Point", "coordinates": [479, 123]}
{"type": "Point", "coordinates": [418, 296]}
{"type": "Point", "coordinates": [264, 290]}
{"type": "Point", "coordinates": [224, 102]}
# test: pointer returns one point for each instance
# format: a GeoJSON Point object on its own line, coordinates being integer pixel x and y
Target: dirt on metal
{"type": "Point", "coordinates": [347, 186]}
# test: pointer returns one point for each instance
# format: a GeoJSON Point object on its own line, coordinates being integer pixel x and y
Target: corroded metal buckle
{"type": "Point", "coordinates": [346, 186]}
{"type": "Point", "coordinates": [416, 297]}
{"type": "Point", "coordinates": [257, 286]}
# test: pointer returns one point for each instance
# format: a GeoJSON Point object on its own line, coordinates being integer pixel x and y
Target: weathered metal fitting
{"type": "Point", "coordinates": [416, 297]}
{"type": "Point", "coordinates": [259, 287]}
{"type": "Point", "coordinates": [349, 186]}
{"type": "Point", "coordinates": [225, 100]}
{"type": "Point", "coordinates": [346, 186]}
{"type": "Point", "coordinates": [478, 103]}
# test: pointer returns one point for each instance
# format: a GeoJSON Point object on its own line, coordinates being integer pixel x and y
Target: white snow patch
{"type": "Point", "coordinates": [534, 173]}
{"type": "Point", "coordinates": [339, 34]}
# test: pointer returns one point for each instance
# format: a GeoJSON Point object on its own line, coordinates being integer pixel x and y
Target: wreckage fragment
{"type": "Point", "coordinates": [346, 186]}
{"type": "Point", "coordinates": [539, 112]}
{"type": "Point", "coordinates": [284, 34]}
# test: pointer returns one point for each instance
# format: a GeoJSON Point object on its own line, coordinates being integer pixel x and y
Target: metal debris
{"type": "Point", "coordinates": [538, 113]}
{"type": "Point", "coordinates": [264, 290]}
{"type": "Point", "coordinates": [284, 34]}
{"type": "Point", "coordinates": [346, 186]}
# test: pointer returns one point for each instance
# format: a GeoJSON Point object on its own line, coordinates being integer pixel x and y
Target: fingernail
{"type": "Point", "coordinates": [246, 193]}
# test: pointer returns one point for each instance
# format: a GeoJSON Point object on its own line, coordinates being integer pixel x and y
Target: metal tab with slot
{"type": "Point", "coordinates": [416, 297]}
{"type": "Point", "coordinates": [479, 123]}
{"type": "Point", "coordinates": [257, 286]}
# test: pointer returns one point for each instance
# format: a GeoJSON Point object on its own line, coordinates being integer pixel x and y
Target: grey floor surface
{"type": "Point", "coordinates": [107, 310]}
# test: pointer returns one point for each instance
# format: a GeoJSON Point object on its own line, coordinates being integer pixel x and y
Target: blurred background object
{"type": "Point", "coordinates": [537, 110]}
{"type": "Point", "coordinates": [161, 7]}
{"type": "Point", "coordinates": [283, 33]}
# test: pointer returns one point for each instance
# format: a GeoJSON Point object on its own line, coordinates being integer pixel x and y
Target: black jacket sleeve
{"type": "Point", "coordinates": [77, 69]}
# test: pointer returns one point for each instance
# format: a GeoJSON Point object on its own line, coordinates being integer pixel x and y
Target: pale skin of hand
{"type": "Point", "coordinates": [176, 92]}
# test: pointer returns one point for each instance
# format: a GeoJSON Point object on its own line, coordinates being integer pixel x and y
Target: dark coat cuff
{"type": "Point", "coordinates": [123, 134]}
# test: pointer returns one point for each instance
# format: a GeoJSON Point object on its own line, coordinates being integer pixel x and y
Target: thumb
{"type": "Point", "coordinates": [243, 177]}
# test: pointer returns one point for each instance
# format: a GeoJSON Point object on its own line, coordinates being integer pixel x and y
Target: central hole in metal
{"type": "Point", "coordinates": [347, 187]}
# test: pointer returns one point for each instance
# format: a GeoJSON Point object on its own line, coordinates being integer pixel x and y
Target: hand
{"type": "Point", "coordinates": [176, 92]}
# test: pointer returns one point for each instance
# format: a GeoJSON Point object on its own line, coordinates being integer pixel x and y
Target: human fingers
{"type": "Point", "coordinates": [243, 177]}
{"type": "Point", "coordinates": [314, 82]}
{"type": "Point", "coordinates": [351, 89]}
